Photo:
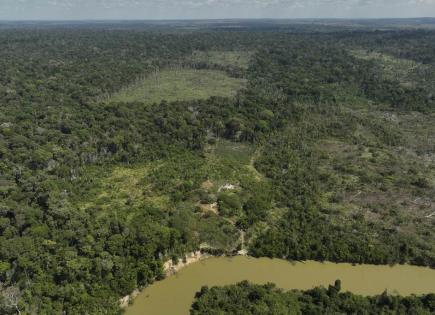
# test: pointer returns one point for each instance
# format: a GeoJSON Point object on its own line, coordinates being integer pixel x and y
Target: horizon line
{"type": "Point", "coordinates": [215, 19]}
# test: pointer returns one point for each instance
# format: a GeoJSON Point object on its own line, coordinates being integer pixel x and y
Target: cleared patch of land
{"type": "Point", "coordinates": [188, 190]}
{"type": "Point", "coordinates": [160, 187]}
{"type": "Point", "coordinates": [123, 189]}
{"type": "Point", "coordinates": [407, 72]}
{"type": "Point", "coordinates": [230, 162]}
{"type": "Point", "coordinates": [180, 84]}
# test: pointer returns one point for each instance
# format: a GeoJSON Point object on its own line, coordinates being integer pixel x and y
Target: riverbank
{"type": "Point", "coordinates": [169, 268]}
{"type": "Point", "coordinates": [125, 301]}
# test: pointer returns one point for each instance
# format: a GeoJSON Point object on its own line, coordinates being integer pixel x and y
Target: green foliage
{"type": "Point", "coordinates": [218, 234]}
{"type": "Point", "coordinates": [229, 204]}
{"type": "Point", "coordinates": [257, 206]}
{"type": "Point", "coordinates": [244, 299]}
{"type": "Point", "coordinates": [96, 195]}
{"type": "Point", "coordinates": [224, 59]}
{"type": "Point", "coordinates": [250, 299]}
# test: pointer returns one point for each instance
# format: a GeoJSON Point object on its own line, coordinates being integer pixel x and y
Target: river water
{"type": "Point", "coordinates": [174, 295]}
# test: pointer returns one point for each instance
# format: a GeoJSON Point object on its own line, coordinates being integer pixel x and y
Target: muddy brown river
{"type": "Point", "coordinates": [174, 295]}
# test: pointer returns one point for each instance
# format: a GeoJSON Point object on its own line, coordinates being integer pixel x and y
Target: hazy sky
{"type": "Point", "coordinates": [187, 9]}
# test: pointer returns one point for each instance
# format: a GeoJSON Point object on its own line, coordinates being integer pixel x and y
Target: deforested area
{"type": "Point", "coordinates": [124, 146]}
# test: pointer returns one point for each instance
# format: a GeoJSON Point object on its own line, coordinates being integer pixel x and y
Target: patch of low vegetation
{"type": "Point", "coordinates": [409, 73]}
{"type": "Point", "coordinates": [179, 84]}
{"type": "Point", "coordinates": [122, 192]}
{"type": "Point", "coordinates": [230, 161]}
{"type": "Point", "coordinates": [235, 152]}
{"type": "Point", "coordinates": [405, 71]}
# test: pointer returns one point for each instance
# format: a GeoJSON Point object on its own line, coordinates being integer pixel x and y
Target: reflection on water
{"type": "Point", "coordinates": [174, 295]}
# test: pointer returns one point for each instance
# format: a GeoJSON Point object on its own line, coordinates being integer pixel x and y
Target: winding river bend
{"type": "Point", "coordinates": [174, 295]}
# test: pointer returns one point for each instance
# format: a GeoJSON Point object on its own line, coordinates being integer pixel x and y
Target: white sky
{"type": "Point", "coordinates": [194, 9]}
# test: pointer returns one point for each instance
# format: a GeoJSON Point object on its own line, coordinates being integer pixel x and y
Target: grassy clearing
{"type": "Point", "coordinates": [123, 190]}
{"type": "Point", "coordinates": [238, 153]}
{"type": "Point", "coordinates": [180, 84]}
{"type": "Point", "coordinates": [174, 187]}
{"type": "Point", "coordinates": [405, 71]}
{"type": "Point", "coordinates": [240, 59]}
{"type": "Point", "coordinates": [230, 162]}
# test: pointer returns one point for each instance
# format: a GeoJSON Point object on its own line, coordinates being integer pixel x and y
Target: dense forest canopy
{"type": "Point", "coordinates": [321, 145]}
{"type": "Point", "coordinates": [249, 299]}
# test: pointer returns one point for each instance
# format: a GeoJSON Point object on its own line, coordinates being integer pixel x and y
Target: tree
{"type": "Point", "coordinates": [11, 296]}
